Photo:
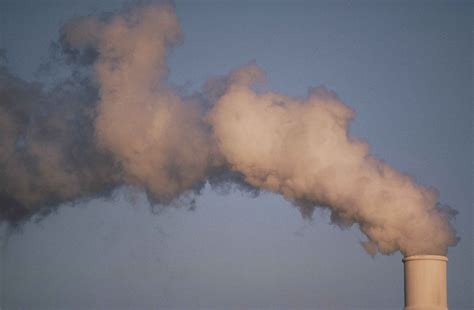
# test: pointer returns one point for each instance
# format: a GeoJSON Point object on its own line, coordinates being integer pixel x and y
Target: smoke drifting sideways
{"type": "Point", "coordinates": [117, 121]}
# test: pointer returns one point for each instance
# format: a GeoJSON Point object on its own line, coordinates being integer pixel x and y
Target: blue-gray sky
{"type": "Point", "coordinates": [406, 70]}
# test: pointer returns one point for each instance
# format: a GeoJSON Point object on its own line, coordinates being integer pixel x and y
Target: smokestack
{"type": "Point", "coordinates": [425, 282]}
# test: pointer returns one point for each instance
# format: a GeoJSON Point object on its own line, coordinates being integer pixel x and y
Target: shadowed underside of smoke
{"type": "Point", "coordinates": [117, 121]}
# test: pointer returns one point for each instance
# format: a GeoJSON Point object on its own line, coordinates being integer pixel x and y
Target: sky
{"type": "Point", "coordinates": [404, 68]}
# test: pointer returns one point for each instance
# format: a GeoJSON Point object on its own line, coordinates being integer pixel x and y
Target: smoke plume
{"type": "Point", "coordinates": [117, 121]}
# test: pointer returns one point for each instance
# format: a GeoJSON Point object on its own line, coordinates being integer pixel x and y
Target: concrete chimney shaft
{"type": "Point", "coordinates": [425, 282]}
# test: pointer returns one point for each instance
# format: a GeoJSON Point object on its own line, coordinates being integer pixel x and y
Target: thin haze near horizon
{"type": "Point", "coordinates": [404, 70]}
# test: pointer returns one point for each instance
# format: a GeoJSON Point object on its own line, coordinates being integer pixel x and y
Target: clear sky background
{"type": "Point", "coordinates": [404, 67]}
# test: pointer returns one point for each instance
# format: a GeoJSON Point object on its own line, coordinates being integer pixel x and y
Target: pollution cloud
{"type": "Point", "coordinates": [117, 121]}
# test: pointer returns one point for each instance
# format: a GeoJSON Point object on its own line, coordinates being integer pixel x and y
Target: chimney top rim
{"type": "Point", "coordinates": [425, 257]}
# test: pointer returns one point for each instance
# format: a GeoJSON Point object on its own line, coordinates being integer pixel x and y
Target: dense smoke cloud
{"type": "Point", "coordinates": [123, 124]}
{"type": "Point", "coordinates": [158, 138]}
{"type": "Point", "coordinates": [300, 148]}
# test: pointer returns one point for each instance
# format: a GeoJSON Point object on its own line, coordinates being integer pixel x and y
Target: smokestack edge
{"type": "Point", "coordinates": [424, 257]}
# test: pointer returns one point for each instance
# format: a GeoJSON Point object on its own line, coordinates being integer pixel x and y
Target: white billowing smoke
{"type": "Point", "coordinates": [157, 137]}
{"type": "Point", "coordinates": [301, 149]}
{"type": "Point", "coordinates": [297, 147]}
